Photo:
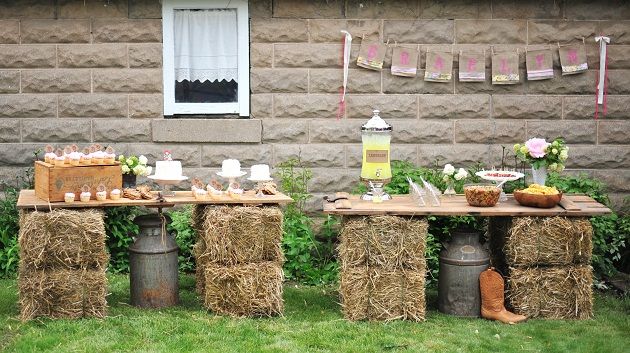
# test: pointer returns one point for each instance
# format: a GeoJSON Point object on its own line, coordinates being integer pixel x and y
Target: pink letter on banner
{"type": "Point", "coordinates": [572, 56]}
{"type": "Point", "coordinates": [372, 50]}
{"type": "Point", "coordinates": [439, 62]}
{"type": "Point", "coordinates": [404, 58]}
{"type": "Point", "coordinates": [471, 64]}
{"type": "Point", "coordinates": [539, 61]}
{"type": "Point", "coordinates": [504, 69]}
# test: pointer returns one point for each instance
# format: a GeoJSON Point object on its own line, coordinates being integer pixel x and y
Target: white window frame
{"type": "Point", "coordinates": [170, 107]}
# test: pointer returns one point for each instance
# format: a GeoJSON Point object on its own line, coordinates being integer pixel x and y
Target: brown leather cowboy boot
{"type": "Point", "coordinates": [492, 301]}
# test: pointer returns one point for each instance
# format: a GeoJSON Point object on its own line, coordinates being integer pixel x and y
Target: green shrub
{"type": "Point", "coordinates": [9, 229]}
{"type": "Point", "coordinates": [182, 230]}
{"type": "Point", "coordinates": [120, 231]}
{"type": "Point", "coordinates": [309, 260]}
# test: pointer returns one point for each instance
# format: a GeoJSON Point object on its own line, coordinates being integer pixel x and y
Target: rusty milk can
{"type": "Point", "coordinates": [461, 262]}
{"type": "Point", "coordinates": [153, 264]}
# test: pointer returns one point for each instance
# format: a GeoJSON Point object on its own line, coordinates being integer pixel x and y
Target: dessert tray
{"type": "Point", "coordinates": [166, 183]}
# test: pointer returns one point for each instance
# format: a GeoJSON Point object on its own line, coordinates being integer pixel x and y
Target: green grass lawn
{"type": "Point", "coordinates": [312, 323]}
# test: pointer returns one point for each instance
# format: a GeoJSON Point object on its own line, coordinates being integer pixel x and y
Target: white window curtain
{"type": "Point", "coordinates": [205, 45]}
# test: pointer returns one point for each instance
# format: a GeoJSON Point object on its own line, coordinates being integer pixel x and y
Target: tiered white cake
{"type": "Point", "coordinates": [260, 172]}
{"type": "Point", "coordinates": [168, 170]}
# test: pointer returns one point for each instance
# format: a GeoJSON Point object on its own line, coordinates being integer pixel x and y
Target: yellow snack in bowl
{"type": "Point", "coordinates": [537, 189]}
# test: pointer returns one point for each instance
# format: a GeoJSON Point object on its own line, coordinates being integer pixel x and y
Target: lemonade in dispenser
{"type": "Point", "coordinates": [376, 170]}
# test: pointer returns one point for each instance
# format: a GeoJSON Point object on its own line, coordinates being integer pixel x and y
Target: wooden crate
{"type": "Point", "coordinates": [51, 183]}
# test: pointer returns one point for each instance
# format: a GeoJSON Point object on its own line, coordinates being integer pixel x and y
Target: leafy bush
{"type": "Point", "coordinates": [9, 229]}
{"type": "Point", "coordinates": [120, 231]}
{"type": "Point", "coordinates": [10, 221]}
{"type": "Point", "coordinates": [181, 228]}
{"type": "Point", "coordinates": [308, 260]}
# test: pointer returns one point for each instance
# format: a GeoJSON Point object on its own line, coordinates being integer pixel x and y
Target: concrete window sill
{"type": "Point", "coordinates": [207, 130]}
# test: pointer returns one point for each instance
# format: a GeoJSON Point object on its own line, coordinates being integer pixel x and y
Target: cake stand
{"type": "Point", "coordinates": [166, 184]}
{"type": "Point", "coordinates": [260, 182]}
{"type": "Point", "coordinates": [231, 178]}
{"type": "Point", "coordinates": [500, 177]}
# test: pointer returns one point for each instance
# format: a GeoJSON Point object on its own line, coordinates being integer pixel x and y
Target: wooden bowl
{"type": "Point", "coordinates": [534, 200]}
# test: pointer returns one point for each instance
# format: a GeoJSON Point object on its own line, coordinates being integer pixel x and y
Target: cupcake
{"type": "Point", "coordinates": [75, 158]}
{"type": "Point", "coordinates": [109, 156]}
{"type": "Point", "coordinates": [101, 195]}
{"type": "Point", "coordinates": [68, 197]}
{"type": "Point", "coordinates": [49, 156]}
{"type": "Point", "coordinates": [86, 158]}
{"type": "Point", "coordinates": [98, 157]}
{"type": "Point", "coordinates": [201, 194]}
{"type": "Point", "coordinates": [194, 190]}
{"type": "Point", "coordinates": [235, 191]}
{"type": "Point", "coordinates": [60, 161]}
{"type": "Point", "coordinates": [66, 153]}
{"type": "Point", "coordinates": [85, 196]}
{"type": "Point", "coordinates": [114, 194]}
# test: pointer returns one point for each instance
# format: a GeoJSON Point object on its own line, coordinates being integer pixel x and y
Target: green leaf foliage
{"type": "Point", "coordinates": [181, 228]}
{"type": "Point", "coordinates": [120, 231]}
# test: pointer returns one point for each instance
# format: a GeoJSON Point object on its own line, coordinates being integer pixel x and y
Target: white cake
{"type": "Point", "coordinates": [231, 167]}
{"type": "Point", "coordinates": [168, 170]}
{"type": "Point", "coordinates": [260, 172]}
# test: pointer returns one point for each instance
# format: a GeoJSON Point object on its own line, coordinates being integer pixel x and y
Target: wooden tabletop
{"type": "Point", "coordinates": [403, 205]}
{"type": "Point", "coordinates": [28, 200]}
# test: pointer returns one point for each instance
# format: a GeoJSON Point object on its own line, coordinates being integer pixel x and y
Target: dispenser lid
{"type": "Point", "coordinates": [376, 123]}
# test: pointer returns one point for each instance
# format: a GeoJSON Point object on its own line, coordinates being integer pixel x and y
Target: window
{"type": "Point", "coordinates": [205, 57]}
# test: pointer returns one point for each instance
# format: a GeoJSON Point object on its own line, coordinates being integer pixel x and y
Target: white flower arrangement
{"type": "Point", "coordinates": [135, 165]}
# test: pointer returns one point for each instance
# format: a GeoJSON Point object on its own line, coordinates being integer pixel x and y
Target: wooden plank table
{"type": "Point", "coordinates": [28, 200]}
{"type": "Point", "coordinates": [403, 205]}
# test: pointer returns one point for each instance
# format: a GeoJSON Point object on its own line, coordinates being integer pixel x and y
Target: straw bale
{"type": "Point", "coordinates": [383, 294]}
{"type": "Point", "coordinates": [62, 293]}
{"type": "Point", "coordinates": [385, 241]}
{"type": "Point", "coordinates": [552, 292]}
{"type": "Point", "coordinates": [63, 239]}
{"type": "Point", "coordinates": [239, 234]}
{"type": "Point", "coordinates": [249, 290]}
{"type": "Point", "coordinates": [531, 241]}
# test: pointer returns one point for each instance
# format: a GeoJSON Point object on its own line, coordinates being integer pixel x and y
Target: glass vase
{"type": "Point", "coordinates": [129, 181]}
{"type": "Point", "coordinates": [450, 188]}
{"type": "Point", "coordinates": [539, 175]}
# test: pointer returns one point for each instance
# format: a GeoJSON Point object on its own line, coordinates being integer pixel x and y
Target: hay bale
{"type": "Point", "coordinates": [62, 293]}
{"type": "Point", "coordinates": [248, 290]}
{"type": "Point", "coordinates": [548, 241]}
{"type": "Point", "coordinates": [63, 239]}
{"type": "Point", "coordinates": [385, 241]}
{"type": "Point", "coordinates": [552, 292]}
{"type": "Point", "coordinates": [199, 249]}
{"type": "Point", "coordinates": [382, 294]}
{"type": "Point", "coordinates": [238, 235]}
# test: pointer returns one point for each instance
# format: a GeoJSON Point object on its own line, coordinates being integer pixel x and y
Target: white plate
{"type": "Point", "coordinates": [259, 180]}
{"type": "Point", "coordinates": [153, 177]}
{"type": "Point", "coordinates": [514, 176]}
{"type": "Point", "coordinates": [231, 176]}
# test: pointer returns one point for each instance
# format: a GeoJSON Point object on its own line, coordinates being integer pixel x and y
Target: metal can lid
{"type": "Point", "coordinates": [376, 123]}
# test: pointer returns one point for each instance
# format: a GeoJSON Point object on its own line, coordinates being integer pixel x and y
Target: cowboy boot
{"type": "Point", "coordinates": [492, 300]}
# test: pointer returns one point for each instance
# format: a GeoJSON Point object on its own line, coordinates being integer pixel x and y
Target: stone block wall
{"type": "Point", "coordinates": [75, 71]}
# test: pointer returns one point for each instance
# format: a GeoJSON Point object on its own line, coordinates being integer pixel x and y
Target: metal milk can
{"type": "Point", "coordinates": [153, 264]}
{"type": "Point", "coordinates": [461, 262]}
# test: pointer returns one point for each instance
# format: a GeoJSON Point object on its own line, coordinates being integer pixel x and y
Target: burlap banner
{"type": "Point", "coordinates": [472, 66]}
{"type": "Point", "coordinates": [505, 68]}
{"type": "Point", "coordinates": [404, 62]}
{"type": "Point", "coordinates": [439, 67]}
{"type": "Point", "coordinates": [539, 64]}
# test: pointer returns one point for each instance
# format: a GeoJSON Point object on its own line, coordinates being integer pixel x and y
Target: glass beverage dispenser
{"type": "Point", "coordinates": [376, 170]}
